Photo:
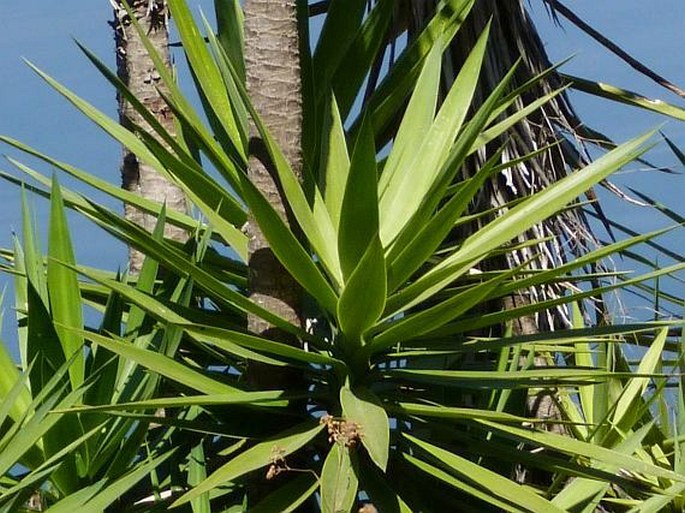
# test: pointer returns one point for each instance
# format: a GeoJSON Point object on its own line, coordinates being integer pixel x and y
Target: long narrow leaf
{"type": "Point", "coordinates": [270, 452]}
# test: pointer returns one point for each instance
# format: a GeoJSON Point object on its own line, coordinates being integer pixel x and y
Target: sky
{"type": "Point", "coordinates": [43, 32]}
{"type": "Point", "coordinates": [654, 33]}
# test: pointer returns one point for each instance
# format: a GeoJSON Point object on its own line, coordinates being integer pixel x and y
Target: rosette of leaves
{"type": "Point", "coordinates": [414, 390]}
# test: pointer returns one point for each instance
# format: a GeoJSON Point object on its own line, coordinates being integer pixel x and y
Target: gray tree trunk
{"type": "Point", "coordinates": [137, 70]}
{"type": "Point", "coordinates": [274, 84]}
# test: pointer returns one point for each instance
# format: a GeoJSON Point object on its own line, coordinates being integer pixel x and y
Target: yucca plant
{"type": "Point", "coordinates": [412, 390]}
{"type": "Point", "coordinates": [90, 459]}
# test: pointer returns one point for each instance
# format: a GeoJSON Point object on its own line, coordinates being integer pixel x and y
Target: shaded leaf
{"type": "Point", "coordinates": [338, 481]}
{"type": "Point", "coordinates": [364, 408]}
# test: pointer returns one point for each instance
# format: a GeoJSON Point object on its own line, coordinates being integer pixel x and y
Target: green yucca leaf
{"type": "Point", "coordinates": [463, 484]}
{"type": "Point", "coordinates": [583, 260]}
{"type": "Point", "coordinates": [63, 290]}
{"type": "Point", "coordinates": [112, 127]}
{"type": "Point", "coordinates": [658, 502]}
{"type": "Point", "coordinates": [195, 134]}
{"type": "Point", "coordinates": [221, 338]}
{"type": "Point", "coordinates": [428, 146]}
{"type": "Point", "coordinates": [516, 221]}
{"type": "Point", "coordinates": [628, 97]}
{"type": "Point", "coordinates": [37, 476]}
{"type": "Point", "coordinates": [76, 201]}
{"type": "Point", "coordinates": [103, 363]}
{"type": "Point", "coordinates": [339, 480]}
{"type": "Point", "coordinates": [222, 60]}
{"type": "Point", "coordinates": [583, 358]}
{"type": "Point", "coordinates": [407, 257]}
{"type": "Point", "coordinates": [454, 161]}
{"type": "Point", "coordinates": [34, 269]}
{"type": "Point", "coordinates": [496, 486]}
{"type": "Point", "coordinates": [389, 97]}
{"type": "Point", "coordinates": [14, 392]}
{"type": "Point", "coordinates": [577, 448]}
{"type": "Point", "coordinates": [21, 300]}
{"type": "Point", "coordinates": [363, 299]}
{"type": "Point", "coordinates": [145, 281]}
{"type": "Point", "coordinates": [549, 376]}
{"type": "Point", "coordinates": [229, 165]}
{"type": "Point", "coordinates": [287, 249]}
{"type": "Point", "coordinates": [363, 50]}
{"type": "Point", "coordinates": [361, 253]}
{"type": "Point", "coordinates": [230, 33]}
{"type": "Point", "coordinates": [321, 235]}
{"type": "Point", "coordinates": [128, 374]}
{"type": "Point", "coordinates": [335, 161]}
{"type": "Point", "coordinates": [96, 497]}
{"type": "Point", "coordinates": [340, 29]}
{"type": "Point", "coordinates": [416, 122]}
{"type": "Point", "coordinates": [396, 306]}
{"type": "Point", "coordinates": [222, 210]}
{"type": "Point", "coordinates": [519, 115]}
{"type": "Point", "coordinates": [206, 72]}
{"type": "Point", "coordinates": [35, 428]}
{"type": "Point", "coordinates": [454, 413]}
{"type": "Point", "coordinates": [415, 325]}
{"type": "Point", "coordinates": [494, 318]}
{"type": "Point", "coordinates": [169, 256]}
{"type": "Point", "coordinates": [266, 453]}
{"type": "Point", "coordinates": [162, 365]}
{"type": "Point", "coordinates": [137, 105]}
{"type": "Point", "coordinates": [226, 230]}
{"type": "Point", "coordinates": [146, 149]}
{"type": "Point", "coordinates": [269, 396]}
{"type": "Point", "coordinates": [588, 492]}
{"type": "Point", "coordinates": [625, 408]}
{"type": "Point", "coordinates": [359, 213]}
{"type": "Point", "coordinates": [197, 472]}
{"type": "Point", "coordinates": [364, 408]}
{"type": "Point", "coordinates": [289, 496]}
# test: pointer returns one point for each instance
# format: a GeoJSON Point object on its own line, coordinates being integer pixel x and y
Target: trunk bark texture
{"type": "Point", "coordinates": [272, 68]}
{"type": "Point", "coordinates": [274, 83]}
{"type": "Point", "coordinates": [137, 71]}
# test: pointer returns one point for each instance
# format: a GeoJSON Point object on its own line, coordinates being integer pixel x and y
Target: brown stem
{"type": "Point", "coordinates": [137, 71]}
{"type": "Point", "coordinates": [273, 80]}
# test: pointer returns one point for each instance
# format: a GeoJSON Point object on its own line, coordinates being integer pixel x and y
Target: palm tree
{"type": "Point", "coordinates": [137, 70]}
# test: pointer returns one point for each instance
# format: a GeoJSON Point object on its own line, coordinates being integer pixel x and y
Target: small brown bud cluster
{"type": "Point", "coordinates": [341, 431]}
{"type": "Point", "coordinates": [278, 463]}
